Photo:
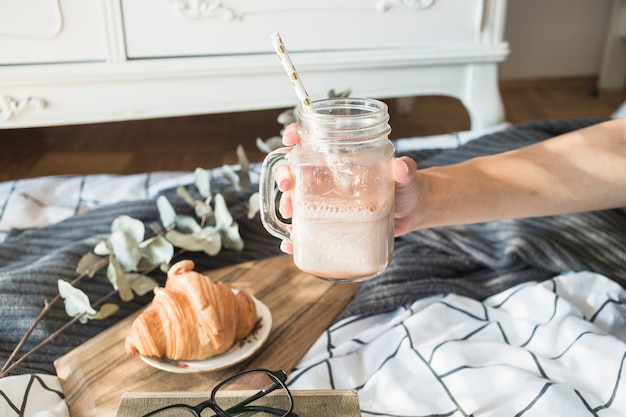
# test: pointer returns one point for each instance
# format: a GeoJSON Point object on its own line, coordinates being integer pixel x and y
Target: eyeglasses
{"type": "Point", "coordinates": [272, 398]}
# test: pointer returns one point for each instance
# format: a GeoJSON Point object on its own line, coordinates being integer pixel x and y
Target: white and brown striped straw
{"type": "Point", "coordinates": [303, 96]}
{"type": "Point", "coordinates": [332, 159]}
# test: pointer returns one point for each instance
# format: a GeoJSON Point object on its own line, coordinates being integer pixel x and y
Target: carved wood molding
{"type": "Point", "coordinates": [11, 106]}
{"type": "Point", "coordinates": [385, 5]}
{"type": "Point", "coordinates": [200, 9]}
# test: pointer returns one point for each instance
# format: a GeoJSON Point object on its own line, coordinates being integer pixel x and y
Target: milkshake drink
{"type": "Point", "coordinates": [343, 192]}
{"type": "Point", "coordinates": [343, 234]}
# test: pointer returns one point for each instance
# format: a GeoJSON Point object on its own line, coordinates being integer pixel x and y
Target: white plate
{"type": "Point", "coordinates": [241, 351]}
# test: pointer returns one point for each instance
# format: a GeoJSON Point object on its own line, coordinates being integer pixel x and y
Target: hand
{"type": "Point", "coordinates": [285, 183]}
{"type": "Point", "coordinates": [407, 195]}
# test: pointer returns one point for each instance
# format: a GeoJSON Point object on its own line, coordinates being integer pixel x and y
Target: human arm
{"type": "Point", "coordinates": [578, 171]}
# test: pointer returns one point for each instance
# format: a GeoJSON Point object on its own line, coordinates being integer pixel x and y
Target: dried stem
{"type": "Point", "coordinates": [8, 366]}
{"type": "Point", "coordinates": [47, 306]}
{"type": "Point", "coordinates": [52, 336]}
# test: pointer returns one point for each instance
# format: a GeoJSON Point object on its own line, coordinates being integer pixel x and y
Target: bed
{"type": "Point", "coordinates": [519, 317]}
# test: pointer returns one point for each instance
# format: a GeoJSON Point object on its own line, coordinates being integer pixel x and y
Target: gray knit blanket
{"type": "Point", "coordinates": [477, 261]}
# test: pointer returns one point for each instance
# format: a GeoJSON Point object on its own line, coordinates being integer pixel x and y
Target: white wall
{"type": "Point", "coordinates": [554, 38]}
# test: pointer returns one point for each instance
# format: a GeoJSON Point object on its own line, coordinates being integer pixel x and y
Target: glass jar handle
{"type": "Point", "coordinates": [268, 194]}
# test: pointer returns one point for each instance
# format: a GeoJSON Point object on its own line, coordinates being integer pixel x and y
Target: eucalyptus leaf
{"type": "Point", "coordinates": [141, 284]}
{"type": "Point", "coordinates": [208, 242]}
{"type": "Point", "coordinates": [88, 264]}
{"type": "Point", "coordinates": [130, 226]}
{"type": "Point", "coordinates": [112, 273]}
{"type": "Point", "coordinates": [166, 212]}
{"type": "Point", "coordinates": [287, 117]}
{"type": "Point", "coordinates": [184, 194]}
{"type": "Point", "coordinates": [187, 224]}
{"type": "Point", "coordinates": [231, 237]}
{"type": "Point", "coordinates": [106, 311]}
{"type": "Point", "coordinates": [244, 172]}
{"type": "Point", "coordinates": [102, 248]}
{"type": "Point", "coordinates": [268, 145]}
{"type": "Point", "coordinates": [242, 158]}
{"type": "Point", "coordinates": [254, 205]}
{"type": "Point", "coordinates": [244, 182]}
{"type": "Point", "coordinates": [76, 301]}
{"type": "Point", "coordinates": [204, 209]}
{"type": "Point", "coordinates": [186, 241]}
{"type": "Point", "coordinates": [126, 250]}
{"type": "Point", "coordinates": [231, 176]}
{"type": "Point", "coordinates": [223, 218]}
{"type": "Point", "coordinates": [262, 146]}
{"type": "Point", "coordinates": [211, 240]}
{"type": "Point", "coordinates": [156, 228]}
{"type": "Point", "coordinates": [203, 182]}
{"type": "Point", "coordinates": [157, 250]}
{"type": "Point", "coordinates": [344, 93]}
{"type": "Point", "coordinates": [117, 276]}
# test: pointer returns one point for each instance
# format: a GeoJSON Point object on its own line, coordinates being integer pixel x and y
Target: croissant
{"type": "Point", "coordinates": [191, 318]}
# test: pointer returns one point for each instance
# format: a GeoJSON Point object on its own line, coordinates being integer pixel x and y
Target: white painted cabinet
{"type": "Point", "coordinates": [82, 61]}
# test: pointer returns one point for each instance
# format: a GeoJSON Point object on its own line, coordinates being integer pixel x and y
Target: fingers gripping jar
{"type": "Point", "coordinates": [343, 193]}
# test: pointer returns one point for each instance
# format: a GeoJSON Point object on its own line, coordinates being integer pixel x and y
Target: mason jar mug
{"type": "Point", "coordinates": [343, 190]}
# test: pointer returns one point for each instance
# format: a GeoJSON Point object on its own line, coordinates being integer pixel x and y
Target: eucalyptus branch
{"type": "Point", "coordinates": [127, 249]}
{"type": "Point", "coordinates": [53, 335]}
{"type": "Point", "coordinates": [12, 363]}
{"type": "Point", "coordinates": [47, 306]}
{"type": "Point", "coordinates": [8, 366]}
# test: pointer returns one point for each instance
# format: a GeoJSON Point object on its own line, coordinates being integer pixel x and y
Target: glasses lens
{"type": "Point", "coordinates": [173, 412]}
{"type": "Point", "coordinates": [255, 393]}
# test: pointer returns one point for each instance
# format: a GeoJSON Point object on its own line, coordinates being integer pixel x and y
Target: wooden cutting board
{"type": "Point", "coordinates": [96, 374]}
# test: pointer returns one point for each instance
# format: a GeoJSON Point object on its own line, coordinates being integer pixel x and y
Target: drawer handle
{"type": "Point", "coordinates": [11, 106]}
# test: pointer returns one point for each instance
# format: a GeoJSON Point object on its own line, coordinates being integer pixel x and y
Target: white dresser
{"type": "Point", "coordinates": [83, 61]}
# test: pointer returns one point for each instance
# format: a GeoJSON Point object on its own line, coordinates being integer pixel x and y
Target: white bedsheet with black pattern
{"type": "Point", "coordinates": [556, 348]}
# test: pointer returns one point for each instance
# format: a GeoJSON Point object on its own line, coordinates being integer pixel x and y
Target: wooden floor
{"type": "Point", "coordinates": [208, 141]}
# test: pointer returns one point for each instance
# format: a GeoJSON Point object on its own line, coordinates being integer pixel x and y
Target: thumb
{"type": "Point", "coordinates": [403, 169]}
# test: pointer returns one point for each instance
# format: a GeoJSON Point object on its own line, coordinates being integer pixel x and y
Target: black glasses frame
{"type": "Point", "coordinates": [278, 377]}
